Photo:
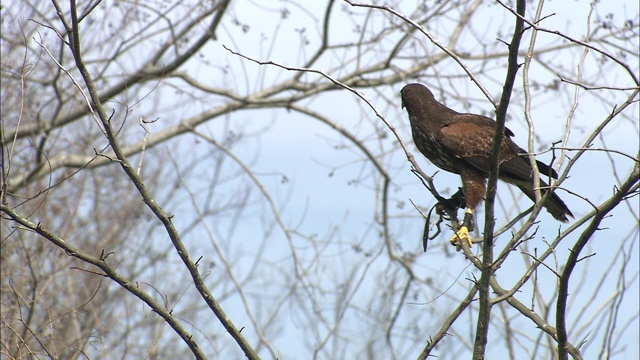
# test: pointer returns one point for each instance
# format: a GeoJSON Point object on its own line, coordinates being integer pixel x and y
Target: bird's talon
{"type": "Point", "coordinates": [461, 236]}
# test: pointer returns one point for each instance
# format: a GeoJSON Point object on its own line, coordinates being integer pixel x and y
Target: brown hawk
{"type": "Point", "coordinates": [461, 144]}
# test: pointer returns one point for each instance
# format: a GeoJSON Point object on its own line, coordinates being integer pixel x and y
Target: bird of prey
{"type": "Point", "coordinates": [461, 144]}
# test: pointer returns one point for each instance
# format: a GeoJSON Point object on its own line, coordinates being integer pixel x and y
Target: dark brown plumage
{"type": "Point", "coordinates": [461, 144]}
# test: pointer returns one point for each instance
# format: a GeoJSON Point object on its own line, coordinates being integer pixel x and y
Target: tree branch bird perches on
{"type": "Point", "coordinates": [461, 144]}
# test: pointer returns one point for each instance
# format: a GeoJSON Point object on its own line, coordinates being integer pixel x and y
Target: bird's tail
{"type": "Point", "coordinates": [554, 205]}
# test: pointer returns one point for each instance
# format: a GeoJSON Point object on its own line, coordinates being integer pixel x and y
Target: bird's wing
{"type": "Point", "coordinates": [471, 142]}
{"type": "Point", "coordinates": [468, 141]}
{"type": "Point", "coordinates": [481, 121]}
{"type": "Point", "coordinates": [485, 123]}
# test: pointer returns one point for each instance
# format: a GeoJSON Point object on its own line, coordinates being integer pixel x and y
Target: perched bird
{"type": "Point", "coordinates": [461, 144]}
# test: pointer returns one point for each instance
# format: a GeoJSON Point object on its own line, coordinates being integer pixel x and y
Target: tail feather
{"type": "Point", "coordinates": [554, 205]}
{"type": "Point", "coordinates": [546, 170]}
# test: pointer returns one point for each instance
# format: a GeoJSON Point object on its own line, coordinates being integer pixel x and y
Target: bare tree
{"type": "Point", "coordinates": [228, 179]}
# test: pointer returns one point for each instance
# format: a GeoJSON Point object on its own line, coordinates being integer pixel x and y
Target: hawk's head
{"type": "Point", "coordinates": [416, 98]}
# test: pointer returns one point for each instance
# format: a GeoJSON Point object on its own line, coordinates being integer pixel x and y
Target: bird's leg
{"type": "Point", "coordinates": [462, 235]}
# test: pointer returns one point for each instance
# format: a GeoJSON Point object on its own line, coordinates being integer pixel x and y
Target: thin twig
{"type": "Point", "coordinates": [587, 234]}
